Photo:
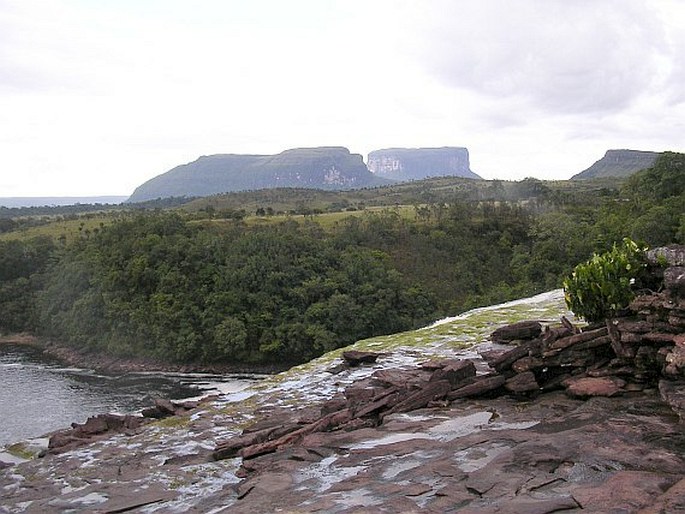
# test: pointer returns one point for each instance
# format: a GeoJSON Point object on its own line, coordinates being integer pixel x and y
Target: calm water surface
{"type": "Point", "coordinates": [39, 395]}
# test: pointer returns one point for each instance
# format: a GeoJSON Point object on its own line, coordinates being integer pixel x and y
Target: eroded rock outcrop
{"type": "Point", "coordinates": [104, 425]}
{"type": "Point", "coordinates": [623, 361]}
{"type": "Point", "coordinates": [420, 163]}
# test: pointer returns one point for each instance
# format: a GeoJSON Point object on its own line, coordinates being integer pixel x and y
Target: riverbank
{"type": "Point", "coordinates": [541, 452]}
{"type": "Point", "coordinates": [114, 364]}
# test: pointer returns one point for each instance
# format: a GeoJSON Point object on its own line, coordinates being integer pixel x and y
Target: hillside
{"type": "Point", "coordinates": [419, 163]}
{"type": "Point", "coordinates": [426, 191]}
{"type": "Point", "coordinates": [322, 168]}
{"type": "Point", "coordinates": [618, 163]}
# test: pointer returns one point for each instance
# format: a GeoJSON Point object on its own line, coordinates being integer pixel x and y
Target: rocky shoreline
{"type": "Point", "coordinates": [114, 364]}
{"type": "Point", "coordinates": [548, 417]}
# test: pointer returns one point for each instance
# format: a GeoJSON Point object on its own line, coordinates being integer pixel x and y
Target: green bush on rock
{"type": "Point", "coordinates": [603, 285]}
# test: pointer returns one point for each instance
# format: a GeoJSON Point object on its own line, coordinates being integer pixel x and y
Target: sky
{"type": "Point", "coordinates": [98, 96]}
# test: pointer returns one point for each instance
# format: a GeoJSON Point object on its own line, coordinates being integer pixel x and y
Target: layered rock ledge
{"type": "Point", "coordinates": [549, 417]}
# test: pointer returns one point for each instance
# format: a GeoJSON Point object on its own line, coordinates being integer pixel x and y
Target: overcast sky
{"type": "Point", "coordinates": [98, 96]}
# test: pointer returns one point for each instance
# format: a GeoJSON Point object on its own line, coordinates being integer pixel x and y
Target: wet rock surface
{"type": "Point", "coordinates": [501, 455]}
{"type": "Point", "coordinates": [428, 426]}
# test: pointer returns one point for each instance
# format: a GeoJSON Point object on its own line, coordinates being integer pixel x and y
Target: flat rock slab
{"type": "Point", "coordinates": [357, 358]}
{"type": "Point", "coordinates": [594, 386]}
{"type": "Point", "coordinates": [548, 455]}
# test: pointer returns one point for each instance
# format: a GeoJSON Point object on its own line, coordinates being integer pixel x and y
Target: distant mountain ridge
{"type": "Point", "coordinates": [330, 168]}
{"type": "Point", "coordinates": [619, 163]}
{"type": "Point", "coordinates": [335, 168]}
{"type": "Point", "coordinates": [420, 163]}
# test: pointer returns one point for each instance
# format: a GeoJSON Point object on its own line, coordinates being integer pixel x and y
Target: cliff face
{"type": "Point", "coordinates": [419, 163]}
{"type": "Point", "coordinates": [321, 168]}
{"type": "Point", "coordinates": [619, 163]}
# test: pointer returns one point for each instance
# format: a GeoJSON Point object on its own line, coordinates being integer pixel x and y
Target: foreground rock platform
{"type": "Point", "coordinates": [548, 455]}
{"type": "Point", "coordinates": [517, 452]}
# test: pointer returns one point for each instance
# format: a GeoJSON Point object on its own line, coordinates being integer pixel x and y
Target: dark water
{"type": "Point", "coordinates": [39, 395]}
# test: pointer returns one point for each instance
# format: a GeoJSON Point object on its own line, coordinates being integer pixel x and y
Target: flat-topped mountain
{"type": "Point", "coordinates": [619, 163]}
{"type": "Point", "coordinates": [419, 163]}
{"type": "Point", "coordinates": [321, 168]}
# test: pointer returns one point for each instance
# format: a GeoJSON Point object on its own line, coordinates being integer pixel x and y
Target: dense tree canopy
{"type": "Point", "coordinates": [163, 284]}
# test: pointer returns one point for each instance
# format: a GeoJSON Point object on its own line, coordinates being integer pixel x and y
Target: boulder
{"type": "Point", "coordinates": [672, 255]}
{"type": "Point", "coordinates": [674, 280]}
{"type": "Point", "coordinates": [355, 358]}
{"type": "Point", "coordinates": [455, 372]}
{"type": "Point", "coordinates": [522, 383]}
{"type": "Point", "coordinates": [517, 331]}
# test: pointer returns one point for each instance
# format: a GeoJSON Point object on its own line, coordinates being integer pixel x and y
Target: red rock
{"type": "Point", "coordinates": [515, 331]}
{"type": "Point", "coordinates": [624, 491]}
{"type": "Point", "coordinates": [505, 361]}
{"type": "Point", "coordinates": [482, 385]}
{"type": "Point", "coordinates": [675, 362]}
{"type": "Point", "coordinates": [355, 358]}
{"type": "Point", "coordinates": [431, 392]}
{"type": "Point", "coordinates": [455, 372]}
{"type": "Point", "coordinates": [522, 383]}
{"type": "Point", "coordinates": [566, 342]}
{"type": "Point", "coordinates": [527, 364]}
{"type": "Point", "coordinates": [673, 394]}
{"type": "Point", "coordinates": [673, 500]}
{"type": "Point", "coordinates": [593, 386]}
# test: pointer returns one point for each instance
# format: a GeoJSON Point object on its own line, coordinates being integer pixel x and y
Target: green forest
{"type": "Point", "coordinates": [284, 276]}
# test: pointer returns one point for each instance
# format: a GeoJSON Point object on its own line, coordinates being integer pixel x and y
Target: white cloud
{"type": "Point", "coordinates": [97, 97]}
{"type": "Point", "coordinates": [561, 57]}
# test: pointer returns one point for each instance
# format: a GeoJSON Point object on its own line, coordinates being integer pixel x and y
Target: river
{"type": "Point", "coordinates": [39, 394]}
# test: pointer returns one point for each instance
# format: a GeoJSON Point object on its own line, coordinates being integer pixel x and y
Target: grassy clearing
{"type": "Point", "coordinates": [326, 220]}
{"type": "Point", "coordinates": [62, 230]}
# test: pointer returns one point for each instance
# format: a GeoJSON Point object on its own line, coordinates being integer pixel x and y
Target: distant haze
{"type": "Point", "coordinates": [58, 200]}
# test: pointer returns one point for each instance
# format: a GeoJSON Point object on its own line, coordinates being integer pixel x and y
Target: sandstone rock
{"type": "Point", "coordinates": [517, 331]}
{"type": "Point", "coordinates": [480, 386]}
{"type": "Point", "coordinates": [522, 383]}
{"type": "Point", "coordinates": [624, 491]}
{"type": "Point", "coordinates": [675, 362]}
{"type": "Point", "coordinates": [674, 280]}
{"type": "Point", "coordinates": [673, 394]}
{"type": "Point", "coordinates": [383, 401]}
{"type": "Point", "coordinates": [455, 372]}
{"type": "Point", "coordinates": [673, 500]}
{"type": "Point", "coordinates": [527, 363]}
{"type": "Point", "coordinates": [635, 325]}
{"type": "Point", "coordinates": [402, 378]}
{"type": "Point", "coordinates": [355, 358]}
{"type": "Point", "coordinates": [94, 427]}
{"type": "Point", "coordinates": [507, 359]}
{"type": "Point", "coordinates": [566, 342]}
{"type": "Point", "coordinates": [584, 387]}
{"type": "Point", "coordinates": [673, 255]}
{"type": "Point", "coordinates": [433, 391]}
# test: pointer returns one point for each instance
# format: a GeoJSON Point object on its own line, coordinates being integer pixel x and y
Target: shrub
{"type": "Point", "coordinates": [603, 285]}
